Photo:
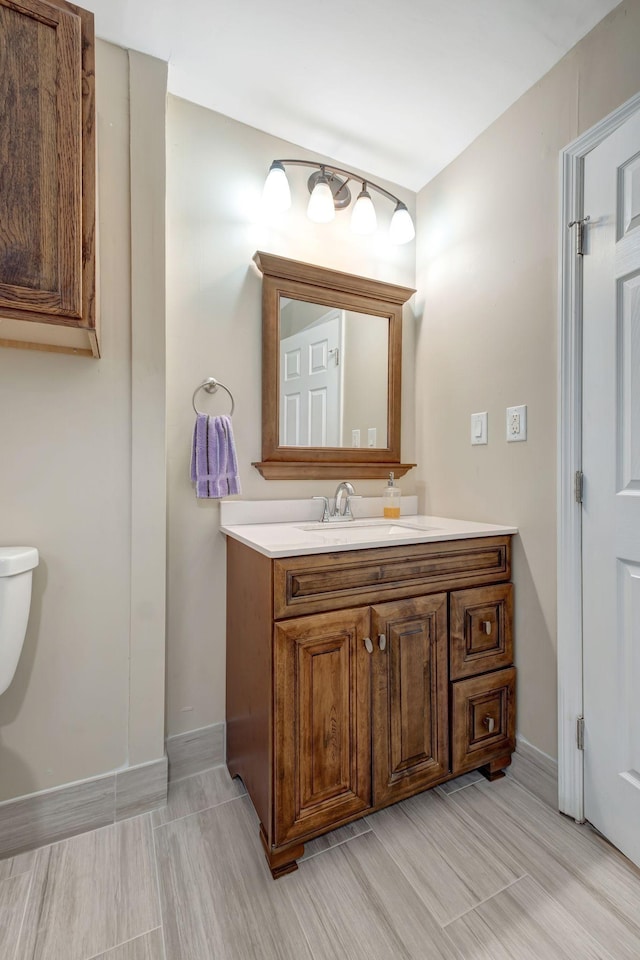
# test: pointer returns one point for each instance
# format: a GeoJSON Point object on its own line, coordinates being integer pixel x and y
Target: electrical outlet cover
{"type": "Point", "coordinates": [516, 423]}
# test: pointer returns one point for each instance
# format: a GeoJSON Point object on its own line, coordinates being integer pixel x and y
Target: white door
{"type": "Point", "coordinates": [611, 507]}
{"type": "Point", "coordinates": [310, 381]}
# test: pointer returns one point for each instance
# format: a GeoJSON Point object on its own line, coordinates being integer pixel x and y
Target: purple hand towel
{"type": "Point", "coordinates": [214, 465]}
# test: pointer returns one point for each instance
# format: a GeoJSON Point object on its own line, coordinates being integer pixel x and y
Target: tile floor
{"type": "Point", "coordinates": [468, 871]}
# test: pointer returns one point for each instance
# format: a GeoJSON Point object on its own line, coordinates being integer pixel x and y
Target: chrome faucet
{"type": "Point", "coordinates": [339, 511]}
{"type": "Point", "coordinates": [344, 494]}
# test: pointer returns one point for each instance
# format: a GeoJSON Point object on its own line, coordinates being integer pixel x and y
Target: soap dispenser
{"type": "Point", "coordinates": [391, 499]}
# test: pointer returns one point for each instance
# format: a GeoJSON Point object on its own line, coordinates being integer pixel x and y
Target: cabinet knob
{"type": "Point", "coordinates": [486, 627]}
{"type": "Point", "coordinates": [368, 644]}
{"type": "Point", "coordinates": [382, 641]}
{"type": "Point", "coordinates": [489, 723]}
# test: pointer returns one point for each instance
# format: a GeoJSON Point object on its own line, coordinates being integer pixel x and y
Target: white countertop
{"type": "Point", "coordinates": [303, 536]}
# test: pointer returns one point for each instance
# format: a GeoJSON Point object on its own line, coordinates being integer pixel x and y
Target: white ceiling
{"type": "Point", "coordinates": [397, 89]}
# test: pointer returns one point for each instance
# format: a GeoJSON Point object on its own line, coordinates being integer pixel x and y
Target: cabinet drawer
{"type": "Point", "coordinates": [483, 719]}
{"type": "Point", "coordinates": [334, 581]}
{"type": "Point", "coordinates": [481, 630]}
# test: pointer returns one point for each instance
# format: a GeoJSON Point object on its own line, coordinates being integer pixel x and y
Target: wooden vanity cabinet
{"type": "Point", "coordinates": [47, 181]}
{"type": "Point", "coordinates": [346, 688]}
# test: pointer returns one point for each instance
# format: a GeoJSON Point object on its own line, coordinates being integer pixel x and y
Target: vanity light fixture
{"type": "Point", "coordinates": [276, 194]}
{"type": "Point", "coordinates": [363, 215]}
{"type": "Point", "coordinates": [321, 208]}
{"type": "Point", "coordinates": [329, 191]}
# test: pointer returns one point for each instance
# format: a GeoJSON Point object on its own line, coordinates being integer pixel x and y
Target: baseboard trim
{"type": "Point", "coordinates": [141, 788]}
{"type": "Point", "coordinates": [195, 751]}
{"type": "Point", "coordinates": [536, 771]}
{"type": "Point", "coordinates": [52, 815]}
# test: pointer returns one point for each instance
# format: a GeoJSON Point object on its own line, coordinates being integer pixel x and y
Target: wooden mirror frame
{"type": "Point", "coordinates": [304, 281]}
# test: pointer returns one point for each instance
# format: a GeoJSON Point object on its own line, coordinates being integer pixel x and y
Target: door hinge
{"type": "Point", "coordinates": [580, 733]}
{"type": "Point", "coordinates": [579, 234]}
{"type": "Point", "coordinates": [579, 485]}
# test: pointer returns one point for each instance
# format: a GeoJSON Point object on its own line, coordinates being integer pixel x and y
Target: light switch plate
{"type": "Point", "coordinates": [516, 423]}
{"type": "Point", "coordinates": [371, 436]}
{"type": "Point", "coordinates": [355, 438]}
{"type": "Point", "coordinates": [479, 432]}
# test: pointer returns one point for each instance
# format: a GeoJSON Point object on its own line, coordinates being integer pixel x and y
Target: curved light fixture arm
{"type": "Point", "coordinates": [341, 172]}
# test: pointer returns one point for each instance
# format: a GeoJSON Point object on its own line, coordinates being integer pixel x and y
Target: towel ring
{"type": "Point", "coordinates": [211, 385]}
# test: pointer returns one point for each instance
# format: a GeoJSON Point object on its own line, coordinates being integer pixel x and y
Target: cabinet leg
{"type": "Point", "coordinates": [495, 769]}
{"type": "Point", "coordinates": [281, 862]}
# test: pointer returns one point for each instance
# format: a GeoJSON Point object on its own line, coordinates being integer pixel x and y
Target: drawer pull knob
{"type": "Point", "coordinates": [489, 723]}
{"type": "Point", "coordinates": [382, 641]}
{"type": "Point", "coordinates": [368, 644]}
{"type": "Point", "coordinates": [486, 627]}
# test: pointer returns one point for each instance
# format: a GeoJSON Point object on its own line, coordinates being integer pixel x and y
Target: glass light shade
{"type": "Point", "coordinates": [401, 229]}
{"type": "Point", "coordinates": [321, 208]}
{"type": "Point", "coordinates": [276, 195]}
{"type": "Point", "coordinates": [363, 215]}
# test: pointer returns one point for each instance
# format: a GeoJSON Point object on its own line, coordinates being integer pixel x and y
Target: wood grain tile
{"type": "Point", "coordinates": [465, 780]}
{"type": "Point", "coordinates": [147, 947]}
{"type": "Point", "coordinates": [91, 893]}
{"type": "Point", "coordinates": [354, 903]}
{"type": "Point", "coordinates": [50, 816]}
{"type": "Point", "coordinates": [14, 866]}
{"type": "Point", "coordinates": [13, 900]}
{"type": "Point", "coordinates": [198, 793]}
{"type": "Point", "coordinates": [141, 789]}
{"type": "Point", "coordinates": [543, 783]}
{"type": "Point", "coordinates": [218, 898]}
{"type": "Point", "coordinates": [523, 922]}
{"type": "Point", "coordinates": [333, 839]}
{"type": "Point", "coordinates": [451, 864]}
{"type": "Point", "coordinates": [592, 882]}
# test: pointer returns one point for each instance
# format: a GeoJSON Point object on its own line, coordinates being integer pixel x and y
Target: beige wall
{"type": "Point", "coordinates": [366, 387]}
{"type": "Point", "coordinates": [216, 169]}
{"type": "Point", "coordinates": [66, 488]}
{"type": "Point", "coordinates": [487, 277]}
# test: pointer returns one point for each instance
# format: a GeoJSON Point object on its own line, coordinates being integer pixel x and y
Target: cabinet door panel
{"type": "Point", "coordinates": [48, 177]}
{"type": "Point", "coordinates": [41, 199]}
{"type": "Point", "coordinates": [323, 732]}
{"type": "Point", "coordinates": [410, 711]}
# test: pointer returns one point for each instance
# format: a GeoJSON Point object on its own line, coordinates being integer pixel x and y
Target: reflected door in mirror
{"type": "Point", "coordinates": [311, 382]}
{"type": "Point", "coordinates": [333, 376]}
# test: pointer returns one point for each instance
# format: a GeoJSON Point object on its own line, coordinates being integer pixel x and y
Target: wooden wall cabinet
{"type": "Point", "coordinates": [47, 178]}
{"type": "Point", "coordinates": [358, 679]}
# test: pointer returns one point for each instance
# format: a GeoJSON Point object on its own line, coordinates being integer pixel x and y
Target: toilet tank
{"type": "Point", "coordinates": [16, 565]}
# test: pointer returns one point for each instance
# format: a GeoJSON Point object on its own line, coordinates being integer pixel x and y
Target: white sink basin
{"type": "Point", "coordinates": [363, 531]}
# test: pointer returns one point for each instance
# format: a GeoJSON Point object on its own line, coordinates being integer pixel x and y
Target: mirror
{"type": "Point", "coordinates": [331, 372]}
{"type": "Point", "coordinates": [329, 358]}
